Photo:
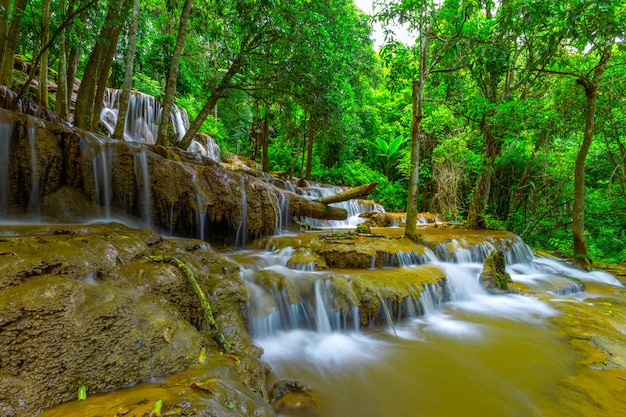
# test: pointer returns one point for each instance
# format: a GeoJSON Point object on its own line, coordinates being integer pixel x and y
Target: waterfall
{"type": "Point", "coordinates": [34, 200]}
{"type": "Point", "coordinates": [353, 207]}
{"type": "Point", "coordinates": [101, 155]}
{"type": "Point", "coordinates": [142, 178]}
{"type": "Point", "coordinates": [242, 230]}
{"type": "Point", "coordinates": [143, 118]}
{"type": "Point", "coordinates": [205, 145]}
{"type": "Point", "coordinates": [6, 136]}
{"type": "Point", "coordinates": [202, 208]}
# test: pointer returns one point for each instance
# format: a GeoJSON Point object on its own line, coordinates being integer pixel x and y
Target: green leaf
{"type": "Point", "coordinates": [230, 405]}
{"type": "Point", "coordinates": [82, 393]}
{"type": "Point", "coordinates": [156, 410]}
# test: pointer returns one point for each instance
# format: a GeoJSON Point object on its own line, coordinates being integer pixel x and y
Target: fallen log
{"type": "Point", "coordinates": [361, 191]}
{"type": "Point", "coordinates": [302, 207]}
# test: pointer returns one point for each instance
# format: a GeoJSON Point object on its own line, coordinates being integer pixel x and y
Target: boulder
{"type": "Point", "coordinates": [494, 277]}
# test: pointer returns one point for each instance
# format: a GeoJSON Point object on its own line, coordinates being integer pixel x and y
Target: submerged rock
{"type": "Point", "coordinates": [293, 398]}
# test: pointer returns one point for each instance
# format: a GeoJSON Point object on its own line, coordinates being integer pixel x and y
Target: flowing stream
{"type": "Point", "coordinates": [475, 355]}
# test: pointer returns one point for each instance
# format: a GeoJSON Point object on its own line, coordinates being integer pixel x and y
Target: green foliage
{"type": "Point", "coordinates": [389, 150]}
{"type": "Point", "coordinates": [82, 393]}
{"type": "Point", "coordinates": [156, 410]}
{"type": "Point", "coordinates": [143, 83]}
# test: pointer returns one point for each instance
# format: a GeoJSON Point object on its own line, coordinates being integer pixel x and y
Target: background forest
{"type": "Point", "coordinates": [506, 114]}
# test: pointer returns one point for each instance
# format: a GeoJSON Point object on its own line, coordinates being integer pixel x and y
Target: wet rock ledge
{"type": "Point", "coordinates": [84, 305]}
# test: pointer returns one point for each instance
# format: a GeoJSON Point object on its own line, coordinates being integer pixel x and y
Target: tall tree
{"type": "Point", "coordinates": [592, 29]}
{"type": "Point", "coordinates": [170, 89]}
{"type": "Point", "coordinates": [128, 73]}
{"type": "Point", "coordinates": [10, 26]}
{"type": "Point", "coordinates": [43, 66]}
{"type": "Point", "coordinates": [90, 94]}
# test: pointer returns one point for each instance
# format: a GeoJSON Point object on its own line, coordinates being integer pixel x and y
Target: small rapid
{"type": "Point", "coordinates": [406, 358]}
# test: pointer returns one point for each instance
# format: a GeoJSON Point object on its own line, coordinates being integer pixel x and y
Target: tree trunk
{"type": "Point", "coordinates": [265, 134]}
{"type": "Point", "coordinates": [128, 73]}
{"type": "Point", "coordinates": [493, 145]}
{"type": "Point", "coordinates": [581, 254]}
{"type": "Point", "coordinates": [216, 94]}
{"type": "Point", "coordinates": [72, 58]}
{"type": "Point", "coordinates": [417, 98]}
{"type": "Point", "coordinates": [109, 54]}
{"type": "Point", "coordinates": [6, 64]}
{"type": "Point", "coordinates": [61, 105]}
{"type": "Point", "coordinates": [302, 207]}
{"type": "Point", "coordinates": [170, 89]}
{"type": "Point", "coordinates": [361, 191]}
{"type": "Point", "coordinates": [43, 68]}
{"type": "Point", "coordinates": [309, 155]}
{"type": "Point", "coordinates": [5, 5]}
{"type": "Point", "coordinates": [85, 101]}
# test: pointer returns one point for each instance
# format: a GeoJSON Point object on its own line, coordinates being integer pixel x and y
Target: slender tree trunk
{"type": "Point", "coordinates": [309, 155]}
{"type": "Point", "coordinates": [493, 145]}
{"type": "Point", "coordinates": [6, 65]}
{"type": "Point", "coordinates": [109, 54]}
{"type": "Point", "coordinates": [85, 118]}
{"type": "Point", "coordinates": [266, 139]}
{"type": "Point", "coordinates": [620, 166]}
{"type": "Point", "coordinates": [128, 72]}
{"type": "Point", "coordinates": [5, 5]}
{"type": "Point", "coordinates": [61, 105]}
{"type": "Point", "coordinates": [43, 68]}
{"type": "Point", "coordinates": [170, 89]}
{"type": "Point", "coordinates": [417, 97]}
{"type": "Point", "coordinates": [216, 94]}
{"type": "Point", "coordinates": [300, 149]}
{"type": "Point", "coordinates": [581, 254]}
{"type": "Point", "coordinates": [72, 58]}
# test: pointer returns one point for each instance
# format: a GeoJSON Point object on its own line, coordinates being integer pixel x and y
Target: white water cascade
{"type": "Point", "coordinates": [34, 199]}
{"type": "Point", "coordinates": [143, 118]}
{"type": "Point", "coordinates": [142, 175]}
{"type": "Point", "coordinates": [353, 207]}
{"type": "Point", "coordinates": [97, 150]}
{"type": "Point", "coordinates": [6, 136]}
{"type": "Point", "coordinates": [440, 337]}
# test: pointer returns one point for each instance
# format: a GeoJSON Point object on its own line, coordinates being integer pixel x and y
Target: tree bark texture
{"type": "Point", "coordinates": [361, 191]}
{"type": "Point", "coordinates": [128, 72]}
{"type": "Point", "coordinates": [85, 101]}
{"type": "Point", "coordinates": [10, 43]}
{"type": "Point", "coordinates": [417, 98]}
{"type": "Point", "coordinates": [581, 254]}
{"type": "Point", "coordinates": [43, 68]}
{"type": "Point", "coordinates": [172, 77]}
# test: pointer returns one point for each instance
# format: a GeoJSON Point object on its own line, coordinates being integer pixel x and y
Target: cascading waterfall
{"type": "Point", "coordinates": [143, 118]}
{"type": "Point", "coordinates": [353, 207]}
{"type": "Point", "coordinates": [461, 263]}
{"type": "Point", "coordinates": [6, 135]}
{"type": "Point", "coordinates": [206, 146]}
{"type": "Point", "coordinates": [142, 175]}
{"type": "Point", "coordinates": [34, 199]}
{"type": "Point", "coordinates": [101, 155]}
{"type": "Point", "coordinates": [202, 208]}
{"type": "Point", "coordinates": [241, 237]}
